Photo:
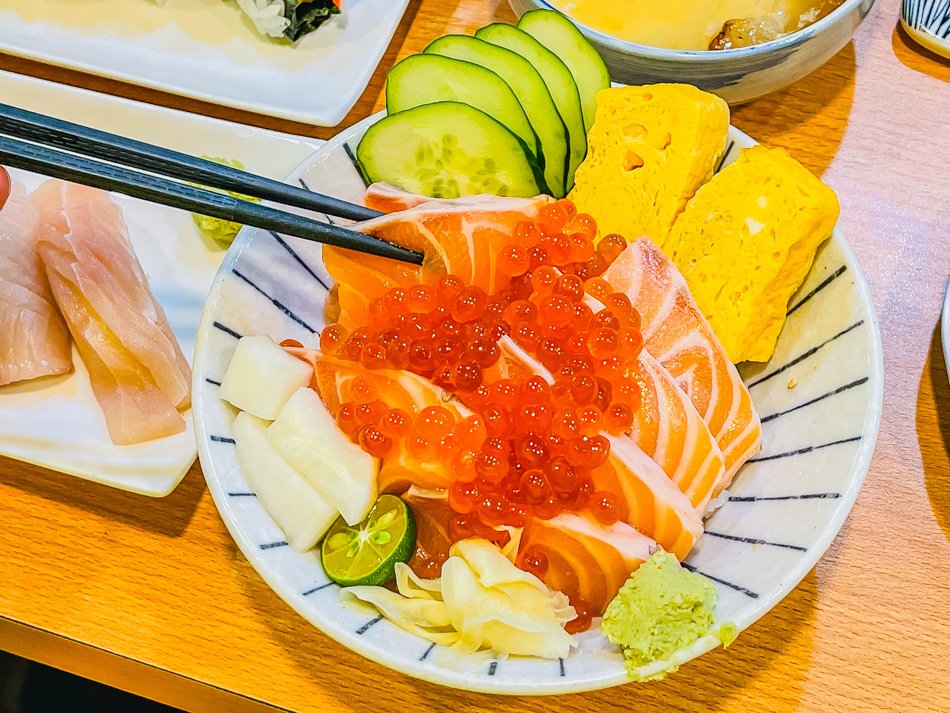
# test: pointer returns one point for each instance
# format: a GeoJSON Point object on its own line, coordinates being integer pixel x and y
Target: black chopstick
{"type": "Point", "coordinates": [156, 189]}
{"type": "Point", "coordinates": [49, 131]}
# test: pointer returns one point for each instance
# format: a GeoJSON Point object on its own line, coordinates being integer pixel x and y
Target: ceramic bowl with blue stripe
{"type": "Point", "coordinates": [737, 75]}
{"type": "Point", "coordinates": [928, 22]}
{"type": "Point", "coordinates": [945, 327]}
{"type": "Point", "coordinates": [820, 400]}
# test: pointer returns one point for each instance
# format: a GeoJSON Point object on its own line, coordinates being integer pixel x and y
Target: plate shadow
{"type": "Point", "coordinates": [917, 57]}
{"type": "Point", "coordinates": [933, 431]}
{"type": "Point", "coordinates": [797, 117]}
{"type": "Point", "coordinates": [168, 516]}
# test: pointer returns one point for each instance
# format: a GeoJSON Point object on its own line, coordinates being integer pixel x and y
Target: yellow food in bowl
{"type": "Point", "coordinates": [745, 242]}
{"type": "Point", "coordinates": [696, 24]}
{"type": "Point", "coordinates": [744, 238]}
{"type": "Point", "coordinates": [648, 151]}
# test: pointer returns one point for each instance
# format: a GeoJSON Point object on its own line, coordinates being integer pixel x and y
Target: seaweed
{"type": "Point", "coordinates": [307, 15]}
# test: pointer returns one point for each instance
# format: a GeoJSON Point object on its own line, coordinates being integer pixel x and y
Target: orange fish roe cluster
{"type": "Point", "coordinates": [535, 442]}
{"type": "Point", "coordinates": [435, 433]}
{"type": "Point", "coordinates": [547, 439]}
{"type": "Point", "coordinates": [446, 332]}
{"type": "Point", "coordinates": [561, 238]}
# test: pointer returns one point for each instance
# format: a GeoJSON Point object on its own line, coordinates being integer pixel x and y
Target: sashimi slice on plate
{"type": "Point", "coordinates": [335, 380]}
{"type": "Point", "coordinates": [34, 340]}
{"type": "Point", "coordinates": [585, 559]}
{"type": "Point", "coordinates": [88, 422]}
{"type": "Point", "coordinates": [137, 370]}
{"type": "Point", "coordinates": [56, 421]}
{"type": "Point", "coordinates": [651, 502]}
{"type": "Point", "coordinates": [470, 232]}
{"type": "Point", "coordinates": [672, 432]}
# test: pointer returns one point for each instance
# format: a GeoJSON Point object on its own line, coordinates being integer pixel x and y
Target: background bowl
{"type": "Point", "coordinates": [737, 75]}
{"type": "Point", "coordinates": [820, 399]}
{"type": "Point", "coordinates": [928, 22]}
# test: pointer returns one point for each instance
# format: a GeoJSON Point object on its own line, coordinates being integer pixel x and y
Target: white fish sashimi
{"type": "Point", "coordinates": [137, 370]}
{"type": "Point", "coordinates": [113, 282]}
{"type": "Point", "coordinates": [34, 340]}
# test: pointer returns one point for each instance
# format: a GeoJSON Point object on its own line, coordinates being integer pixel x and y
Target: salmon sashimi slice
{"type": "Point", "coordinates": [387, 198]}
{"type": "Point", "coordinates": [361, 278]}
{"type": "Point", "coordinates": [651, 501]}
{"type": "Point", "coordinates": [655, 505]}
{"type": "Point", "coordinates": [432, 514]}
{"type": "Point", "coordinates": [648, 499]}
{"type": "Point", "coordinates": [34, 339]}
{"type": "Point", "coordinates": [585, 559]}
{"type": "Point", "coordinates": [138, 372]}
{"type": "Point", "coordinates": [333, 380]}
{"type": "Point", "coordinates": [459, 236]}
{"type": "Point", "coordinates": [669, 429]}
{"type": "Point", "coordinates": [678, 335]}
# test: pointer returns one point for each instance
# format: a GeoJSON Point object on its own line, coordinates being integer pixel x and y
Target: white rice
{"type": "Point", "coordinates": [267, 15]}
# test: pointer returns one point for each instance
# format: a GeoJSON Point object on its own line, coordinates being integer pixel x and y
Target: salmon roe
{"type": "Point", "coordinates": [533, 446]}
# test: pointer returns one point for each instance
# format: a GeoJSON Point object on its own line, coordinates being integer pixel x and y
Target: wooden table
{"type": "Point", "coordinates": [152, 595]}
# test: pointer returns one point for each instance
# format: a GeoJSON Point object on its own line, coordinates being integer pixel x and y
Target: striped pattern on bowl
{"type": "Point", "coordinates": [928, 22]}
{"type": "Point", "coordinates": [820, 398]}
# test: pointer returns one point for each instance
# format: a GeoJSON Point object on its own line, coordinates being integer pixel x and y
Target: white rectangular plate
{"type": "Point", "coordinates": [56, 423]}
{"type": "Point", "coordinates": [207, 49]}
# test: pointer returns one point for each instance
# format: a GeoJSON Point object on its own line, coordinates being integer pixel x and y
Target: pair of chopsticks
{"type": "Point", "coordinates": [60, 149]}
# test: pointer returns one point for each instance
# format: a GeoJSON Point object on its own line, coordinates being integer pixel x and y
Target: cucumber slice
{"type": "Point", "coordinates": [528, 87]}
{"type": "Point", "coordinates": [426, 79]}
{"type": "Point", "coordinates": [561, 36]}
{"type": "Point", "coordinates": [447, 150]}
{"type": "Point", "coordinates": [560, 83]}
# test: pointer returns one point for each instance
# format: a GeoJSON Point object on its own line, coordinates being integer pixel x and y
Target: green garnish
{"type": "Point", "coordinates": [368, 553]}
{"type": "Point", "coordinates": [660, 610]}
{"type": "Point", "coordinates": [305, 16]}
{"type": "Point", "coordinates": [217, 228]}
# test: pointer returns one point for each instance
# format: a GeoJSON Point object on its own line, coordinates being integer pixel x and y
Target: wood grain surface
{"type": "Point", "coordinates": [153, 596]}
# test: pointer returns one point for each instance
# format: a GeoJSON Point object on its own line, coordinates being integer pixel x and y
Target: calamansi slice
{"type": "Point", "coordinates": [368, 553]}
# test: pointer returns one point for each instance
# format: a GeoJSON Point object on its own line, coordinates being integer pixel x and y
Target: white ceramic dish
{"type": "Point", "coordinates": [945, 327]}
{"type": "Point", "coordinates": [928, 22]}
{"type": "Point", "coordinates": [786, 506]}
{"type": "Point", "coordinates": [207, 49]}
{"type": "Point", "coordinates": [56, 423]}
{"type": "Point", "coordinates": [737, 75]}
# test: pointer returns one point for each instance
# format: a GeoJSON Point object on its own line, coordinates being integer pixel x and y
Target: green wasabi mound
{"type": "Point", "coordinates": [661, 609]}
{"type": "Point", "coordinates": [217, 228]}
